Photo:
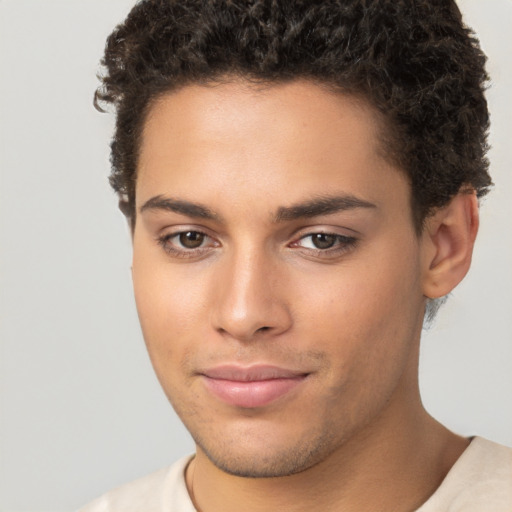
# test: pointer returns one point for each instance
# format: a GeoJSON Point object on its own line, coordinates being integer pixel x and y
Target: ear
{"type": "Point", "coordinates": [448, 239]}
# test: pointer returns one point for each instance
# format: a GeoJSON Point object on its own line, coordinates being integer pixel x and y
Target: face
{"type": "Point", "coordinates": [277, 272]}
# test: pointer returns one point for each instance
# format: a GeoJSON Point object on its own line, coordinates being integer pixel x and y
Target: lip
{"type": "Point", "coordinates": [251, 387]}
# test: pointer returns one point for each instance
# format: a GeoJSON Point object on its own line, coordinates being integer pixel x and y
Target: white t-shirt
{"type": "Point", "coordinates": [480, 481]}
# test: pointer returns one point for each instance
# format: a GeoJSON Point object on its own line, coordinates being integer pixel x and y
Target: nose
{"type": "Point", "coordinates": [249, 302]}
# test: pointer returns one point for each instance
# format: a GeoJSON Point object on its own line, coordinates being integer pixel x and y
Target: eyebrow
{"type": "Point", "coordinates": [178, 206]}
{"type": "Point", "coordinates": [325, 205]}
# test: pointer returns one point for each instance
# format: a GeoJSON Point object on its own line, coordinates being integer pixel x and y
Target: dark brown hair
{"type": "Point", "coordinates": [413, 60]}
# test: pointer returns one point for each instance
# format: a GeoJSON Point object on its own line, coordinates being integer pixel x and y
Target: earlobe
{"type": "Point", "coordinates": [448, 239]}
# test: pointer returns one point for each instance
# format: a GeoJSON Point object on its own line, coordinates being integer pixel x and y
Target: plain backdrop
{"type": "Point", "coordinates": [81, 410]}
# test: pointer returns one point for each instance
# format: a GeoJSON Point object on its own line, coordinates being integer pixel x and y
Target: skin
{"type": "Point", "coordinates": [227, 162]}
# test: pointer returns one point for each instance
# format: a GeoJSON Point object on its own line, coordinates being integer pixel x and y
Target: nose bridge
{"type": "Point", "coordinates": [250, 301]}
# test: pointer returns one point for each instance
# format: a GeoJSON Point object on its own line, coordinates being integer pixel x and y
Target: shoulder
{"type": "Point", "coordinates": [481, 480]}
{"type": "Point", "coordinates": [164, 490]}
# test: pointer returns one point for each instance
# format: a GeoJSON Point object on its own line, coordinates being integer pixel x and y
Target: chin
{"type": "Point", "coordinates": [251, 459]}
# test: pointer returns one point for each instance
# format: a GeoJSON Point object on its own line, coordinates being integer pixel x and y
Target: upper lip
{"type": "Point", "coordinates": [251, 373]}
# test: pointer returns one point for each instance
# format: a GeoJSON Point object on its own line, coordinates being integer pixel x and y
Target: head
{"type": "Point", "coordinates": [413, 61]}
{"type": "Point", "coordinates": [295, 176]}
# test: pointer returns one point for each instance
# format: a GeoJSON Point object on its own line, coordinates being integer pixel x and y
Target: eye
{"type": "Point", "coordinates": [191, 239]}
{"type": "Point", "coordinates": [186, 244]}
{"type": "Point", "coordinates": [319, 241]}
{"type": "Point", "coordinates": [325, 244]}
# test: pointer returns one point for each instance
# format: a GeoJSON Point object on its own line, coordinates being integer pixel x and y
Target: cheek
{"type": "Point", "coordinates": [171, 311]}
{"type": "Point", "coordinates": [368, 316]}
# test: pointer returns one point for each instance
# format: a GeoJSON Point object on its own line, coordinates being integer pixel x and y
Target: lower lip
{"type": "Point", "coordinates": [254, 393]}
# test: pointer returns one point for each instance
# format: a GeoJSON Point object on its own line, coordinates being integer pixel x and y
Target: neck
{"type": "Point", "coordinates": [393, 472]}
{"type": "Point", "coordinates": [393, 464]}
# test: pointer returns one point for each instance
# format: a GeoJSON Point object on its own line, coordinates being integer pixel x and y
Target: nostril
{"type": "Point", "coordinates": [263, 329]}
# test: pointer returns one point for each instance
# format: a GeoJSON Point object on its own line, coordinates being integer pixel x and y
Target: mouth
{"type": "Point", "coordinates": [251, 387]}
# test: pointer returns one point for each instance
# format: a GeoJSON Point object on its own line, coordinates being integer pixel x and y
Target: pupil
{"type": "Point", "coordinates": [191, 239]}
{"type": "Point", "coordinates": [323, 241]}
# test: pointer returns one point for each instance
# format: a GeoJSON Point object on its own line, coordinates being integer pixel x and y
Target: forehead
{"type": "Point", "coordinates": [226, 112]}
{"type": "Point", "coordinates": [243, 140]}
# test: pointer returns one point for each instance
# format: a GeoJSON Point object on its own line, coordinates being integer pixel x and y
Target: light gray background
{"type": "Point", "coordinates": [80, 408]}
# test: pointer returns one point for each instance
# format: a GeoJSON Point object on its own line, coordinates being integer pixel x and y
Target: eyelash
{"type": "Point", "coordinates": [165, 242]}
{"type": "Point", "coordinates": [342, 244]}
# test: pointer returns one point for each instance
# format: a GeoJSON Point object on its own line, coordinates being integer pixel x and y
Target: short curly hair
{"type": "Point", "coordinates": [413, 60]}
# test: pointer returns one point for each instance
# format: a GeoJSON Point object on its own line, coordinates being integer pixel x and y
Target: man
{"type": "Point", "coordinates": [302, 181]}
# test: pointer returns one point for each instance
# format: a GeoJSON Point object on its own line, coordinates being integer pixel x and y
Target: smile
{"type": "Point", "coordinates": [252, 387]}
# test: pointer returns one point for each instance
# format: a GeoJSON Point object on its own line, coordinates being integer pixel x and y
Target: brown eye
{"type": "Point", "coordinates": [327, 246]}
{"type": "Point", "coordinates": [191, 239]}
{"type": "Point", "coordinates": [323, 240]}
